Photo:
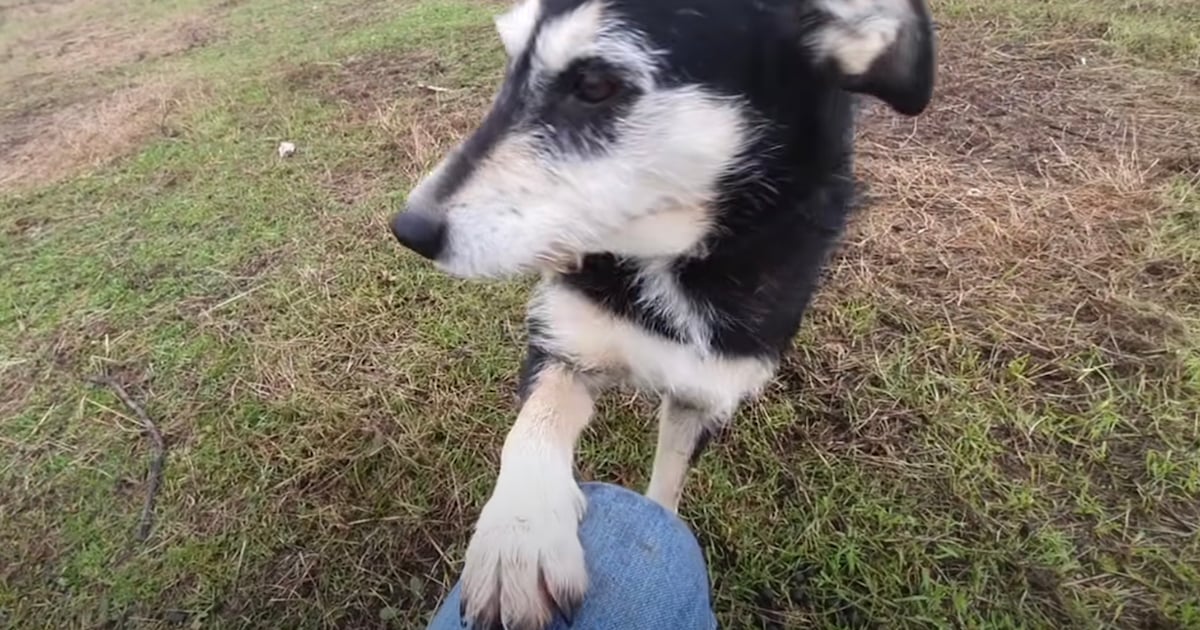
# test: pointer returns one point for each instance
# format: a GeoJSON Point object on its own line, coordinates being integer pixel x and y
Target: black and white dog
{"type": "Point", "coordinates": [677, 170]}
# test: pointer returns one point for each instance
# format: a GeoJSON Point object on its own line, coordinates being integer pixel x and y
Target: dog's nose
{"type": "Point", "coordinates": [420, 232]}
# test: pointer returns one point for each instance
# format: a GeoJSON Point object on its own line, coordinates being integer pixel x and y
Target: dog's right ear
{"type": "Point", "coordinates": [884, 48]}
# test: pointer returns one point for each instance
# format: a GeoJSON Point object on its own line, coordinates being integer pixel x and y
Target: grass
{"type": "Point", "coordinates": [990, 419]}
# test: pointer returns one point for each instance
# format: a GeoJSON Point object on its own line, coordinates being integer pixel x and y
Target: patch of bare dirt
{"type": "Point", "coordinates": [47, 145]}
{"type": "Point", "coordinates": [96, 45]}
{"type": "Point", "coordinates": [59, 115]}
{"type": "Point", "coordinates": [20, 9]}
{"type": "Point", "coordinates": [1043, 108]}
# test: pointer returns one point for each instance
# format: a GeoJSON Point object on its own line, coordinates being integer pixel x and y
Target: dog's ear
{"type": "Point", "coordinates": [884, 48]}
{"type": "Point", "coordinates": [515, 25]}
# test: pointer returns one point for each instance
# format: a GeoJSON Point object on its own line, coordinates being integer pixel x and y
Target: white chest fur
{"type": "Point", "coordinates": [595, 340]}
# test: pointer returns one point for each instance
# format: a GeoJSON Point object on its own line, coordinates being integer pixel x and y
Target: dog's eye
{"type": "Point", "coordinates": [595, 87]}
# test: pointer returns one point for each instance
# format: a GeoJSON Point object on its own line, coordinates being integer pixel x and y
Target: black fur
{"type": "Point", "coordinates": [577, 127]}
{"type": "Point", "coordinates": [499, 121]}
{"type": "Point", "coordinates": [535, 359]}
{"type": "Point", "coordinates": [706, 436]}
{"type": "Point", "coordinates": [903, 79]}
{"type": "Point", "coordinates": [774, 231]}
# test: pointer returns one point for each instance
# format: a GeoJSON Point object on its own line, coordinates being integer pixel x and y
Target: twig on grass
{"type": "Point", "coordinates": [433, 88]}
{"type": "Point", "coordinates": [158, 450]}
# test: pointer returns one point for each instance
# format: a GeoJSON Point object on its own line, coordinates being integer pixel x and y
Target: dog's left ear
{"type": "Point", "coordinates": [884, 48]}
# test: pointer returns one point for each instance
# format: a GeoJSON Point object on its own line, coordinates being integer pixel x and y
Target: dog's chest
{"type": "Point", "coordinates": [576, 328]}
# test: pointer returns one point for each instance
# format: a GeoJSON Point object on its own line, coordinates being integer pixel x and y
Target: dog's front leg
{"type": "Point", "coordinates": [684, 430]}
{"type": "Point", "coordinates": [525, 560]}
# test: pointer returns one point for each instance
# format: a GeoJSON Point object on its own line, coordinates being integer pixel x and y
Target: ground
{"type": "Point", "coordinates": [991, 417]}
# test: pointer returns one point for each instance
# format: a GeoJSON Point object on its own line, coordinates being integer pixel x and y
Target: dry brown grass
{"type": "Point", "coordinates": [1013, 209]}
{"type": "Point", "coordinates": [42, 10]}
{"type": "Point", "coordinates": [47, 146]}
{"type": "Point", "coordinates": [57, 40]}
{"type": "Point", "coordinates": [63, 109]}
{"type": "Point", "coordinates": [99, 45]}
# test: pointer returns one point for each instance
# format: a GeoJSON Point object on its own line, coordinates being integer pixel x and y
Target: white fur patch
{"type": "Point", "coordinates": [516, 26]}
{"type": "Point", "coordinates": [587, 31]}
{"type": "Point", "coordinates": [663, 234]}
{"type": "Point", "coordinates": [596, 340]}
{"type": "Point", "coordinates": [861, 31]}
{"type": "Point", "coordinates": [662, 294]}
{"type": "Point", "coordinates": [565, 37]}
{"type": "Point", "coordinates": [646, 195]}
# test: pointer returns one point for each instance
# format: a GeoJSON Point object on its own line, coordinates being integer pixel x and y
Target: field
{"type": "Point", "coordinates": [991, 418]}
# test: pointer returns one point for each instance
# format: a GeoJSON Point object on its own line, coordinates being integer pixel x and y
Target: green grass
{"type": "Point", "coordinates": [1155, 31]}
{"type": "Point", "coordinates": [334, 408]}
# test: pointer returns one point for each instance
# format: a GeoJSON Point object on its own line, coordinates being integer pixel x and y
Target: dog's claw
{"type": "Point", "coordinates": [565, 604]}
{"type": "Point", "coordinates": [485, 620]}
{"type": "Point", "coordinates": [568, 613]}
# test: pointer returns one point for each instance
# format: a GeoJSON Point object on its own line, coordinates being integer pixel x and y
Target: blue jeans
{"type": "Point", "coordinates": [645, 568]}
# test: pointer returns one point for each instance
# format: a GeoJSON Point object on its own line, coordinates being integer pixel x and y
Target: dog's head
{"type": "Point", "coordinates": [619, 121]}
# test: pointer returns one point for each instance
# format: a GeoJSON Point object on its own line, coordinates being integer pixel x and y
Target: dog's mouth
{"type": "Point", "coordinates": [553, 260]}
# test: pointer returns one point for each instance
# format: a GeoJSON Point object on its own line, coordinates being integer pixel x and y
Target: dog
{"type": "Point", "coordinates": [677, 171]}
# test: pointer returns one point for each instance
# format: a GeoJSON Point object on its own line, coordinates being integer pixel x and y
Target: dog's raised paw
{"type": "Point", "coordinates": [525, 563]}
